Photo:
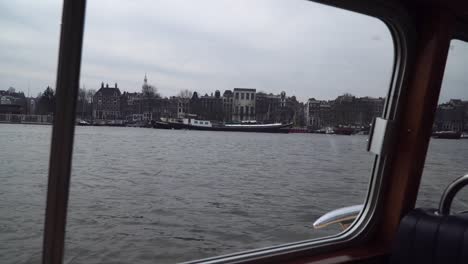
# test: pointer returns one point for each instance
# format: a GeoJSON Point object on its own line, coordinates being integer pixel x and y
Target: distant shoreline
{"type": "Point", "coordinates": [25, 123]}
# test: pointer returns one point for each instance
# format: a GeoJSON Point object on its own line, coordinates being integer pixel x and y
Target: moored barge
{"type": "Point", "coordinates": [447, 134]}
{"type": "Point", "coordinates": [248, 126]}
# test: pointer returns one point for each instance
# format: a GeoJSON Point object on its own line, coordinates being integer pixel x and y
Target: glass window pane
{"type": "Point", "coordinates": [448, 147]}
{"type": "Point", "coordinates": [28, 64]}
{"type": "Point", "coordinates": [181, 192]}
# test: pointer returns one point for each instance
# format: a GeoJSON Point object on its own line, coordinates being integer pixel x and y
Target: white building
{"type": "Point", "coordinates": [243, 107]}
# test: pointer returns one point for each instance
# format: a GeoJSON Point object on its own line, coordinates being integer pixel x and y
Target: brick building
{"type": "Point", "coordinates": [106, 103]}
{"type": "Point", "coordinates": [227, 105]}
{"type": "Point", "coordinates": [452, 115]}
{"type": "Point", "coordinates": [345, 110]}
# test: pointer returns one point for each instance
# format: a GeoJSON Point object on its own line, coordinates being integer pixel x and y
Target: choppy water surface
{"type": "Point", "coordinates": [157, 196]}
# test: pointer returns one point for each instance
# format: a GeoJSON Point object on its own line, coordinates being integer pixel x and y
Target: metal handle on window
{"type": "Point", "coordinates": [344, 216]}
{"type": "Point", "coordinates": [449, 194]}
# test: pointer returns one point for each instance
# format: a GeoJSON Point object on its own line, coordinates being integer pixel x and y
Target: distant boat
{"type": "Point", "coordinates": [319, 131]}
{"type": "Point", "coordinates": [343, 131]}
{"type": "Point", "coordinates": [447, 134]}
{"type": "Point", "coordinates": [83, 123]}
{"type": "Point", "coordinates": [339, 130]}
{"type": "Point", "coordinates": [246, 126]}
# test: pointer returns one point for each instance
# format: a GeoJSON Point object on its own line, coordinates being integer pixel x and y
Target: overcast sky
{"type": "Point", "coordinates": [303, 48]}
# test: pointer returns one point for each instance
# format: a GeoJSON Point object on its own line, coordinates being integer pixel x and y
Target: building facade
{"type": "Point", "coordinates": [318, 114]}
{"type": "Point", "coordinates": [244, 104]}
{"type": "Point", "coordinates": [292, 112]}
{"type": "Point", "coordinates": [211, 107]}
{"type": "Point", "coordinates": [163, 108]}
{"type": "Point", "coordinates": [183, 106]}
{"type": "Point", "coordinates": [345, 110]}
{"type": "Point", "coordinates": [106, 103]}
{"type": "Point", "coordinates": [13, 102]}
{"type": "Point", "coordinates": [267, 107]}
{"type": "Point", "coordinates": [130, 106]}
{"type": "Point", "coordinates": [452, 116]}
{"type": "Point", "coordinates": [227, 105]}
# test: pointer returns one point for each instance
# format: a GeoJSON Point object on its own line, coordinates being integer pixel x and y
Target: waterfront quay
{"type": "Point", "coordinates": [110, 106]}
{"type": "Point", "coordinates": [26, 119]}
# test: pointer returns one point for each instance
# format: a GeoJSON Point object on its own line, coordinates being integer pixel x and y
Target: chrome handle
{"type": "Point", "coordinates": [343, 216]}
{"type": "Point", "coordinates": [449, 194]}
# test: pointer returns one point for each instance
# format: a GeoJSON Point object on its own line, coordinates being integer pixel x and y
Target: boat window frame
{"type": "Point", "coordinates": [68, 72]}
{"type": "Point", "coordinates": [461, 34]}
{"type": "Point", "coordinates": [404, 33]}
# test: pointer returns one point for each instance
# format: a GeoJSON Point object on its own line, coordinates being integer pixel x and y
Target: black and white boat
{"type": "Point", "coordinates": [246, 126]}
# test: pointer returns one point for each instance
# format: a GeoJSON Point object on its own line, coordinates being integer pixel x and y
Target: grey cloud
{"type": "Point", "coordinates": [303, 48]}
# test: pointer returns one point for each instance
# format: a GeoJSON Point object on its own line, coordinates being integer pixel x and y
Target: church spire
{"type": "Point", "coordinates": [146, 79]}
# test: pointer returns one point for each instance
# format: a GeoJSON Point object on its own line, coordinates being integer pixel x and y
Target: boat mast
{"type": "Point", "coordinates": [268, 112]}
{"type": "Point", "coordinates": [84, 98]}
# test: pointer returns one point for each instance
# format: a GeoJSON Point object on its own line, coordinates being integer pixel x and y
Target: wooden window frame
{"type": "Point", "coordinates": [68, 73]}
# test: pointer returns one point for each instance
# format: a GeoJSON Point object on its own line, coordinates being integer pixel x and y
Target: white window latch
{"type": "Point", "coordinates": [381, 136]}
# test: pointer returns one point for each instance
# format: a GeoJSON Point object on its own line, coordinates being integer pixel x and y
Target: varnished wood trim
{"type": "Point", "coordinates": [68, 73]}
{"type": "Point", "coordinates": [360, 254]}
{"type": "Point", "coordinates": [419, 105]}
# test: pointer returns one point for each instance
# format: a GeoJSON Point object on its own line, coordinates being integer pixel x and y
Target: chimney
{"type": "Point", "coordinates": [115, 85]}
{"type": "Point", "coordinates": [102, 85]}
{"type": "Point", "coordinates": [107, 85]}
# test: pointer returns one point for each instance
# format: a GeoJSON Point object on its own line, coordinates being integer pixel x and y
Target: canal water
{"type": "Point", "coordinates": [143, 195]}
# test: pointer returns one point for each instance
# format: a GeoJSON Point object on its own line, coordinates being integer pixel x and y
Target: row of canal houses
{"type": "Point", "coordinates": [345, 110]}
{"type": "Point", "coordinates": [452, 116]}
{"type": "Point", "coordinates": [109, 104]}
{"type": "Point", "coordinates": [354, 111]}
{"type": "Point", "coordinates": [239, 104]}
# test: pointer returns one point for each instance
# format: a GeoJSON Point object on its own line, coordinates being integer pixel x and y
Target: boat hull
{"type": "Point", "coordinates": [284, 128]}
{"type": "Point", "coordinates": [168, 125]}
{"type": "Point", "coordinates": [447, 134]}
{"type": "Point", "coordinates": [343, 131]}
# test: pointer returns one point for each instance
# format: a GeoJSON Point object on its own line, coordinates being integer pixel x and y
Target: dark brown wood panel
{"type": "Point", "coordinates": [435, 27]}
{"type": "Point", "coordinates": [68, 73]}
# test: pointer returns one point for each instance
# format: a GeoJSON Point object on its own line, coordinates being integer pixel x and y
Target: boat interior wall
{"type": "Point", "coordinates": [421, 231]}
{"type": "Point", "coordinates": [433, 230]}
{"type": "Point", "coordinates": [457, 7]}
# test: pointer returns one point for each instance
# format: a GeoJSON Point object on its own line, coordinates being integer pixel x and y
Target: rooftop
{"type": "Point", "coordinates": [245, 89]}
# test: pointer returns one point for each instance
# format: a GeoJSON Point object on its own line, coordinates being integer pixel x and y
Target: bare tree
{"type": "Point", "coordinates": [81, 94]}
{"type": "Point", "coordinates": [147, 91]}
{"type": "Point", "coordinates": [46, 103]}
{"type": "Point", "coordinates": [89, 95]}
{"type": "Point", "coordinates": [150, 91]}
{"type": "Point", "coordinates": [81, 105]}
{"type": "Point", "coordinates": [185, 94]}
